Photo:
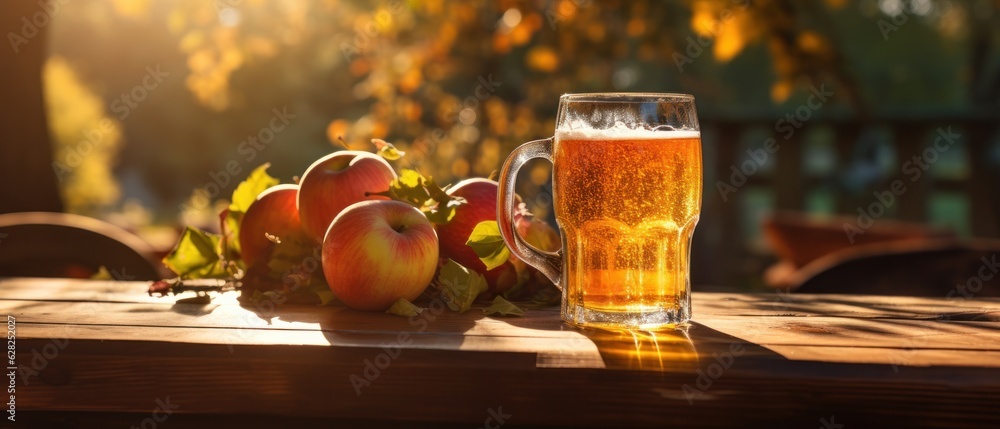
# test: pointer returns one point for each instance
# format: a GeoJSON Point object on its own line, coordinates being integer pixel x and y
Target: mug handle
{"type": "Point", "coordinates": [549, 263]}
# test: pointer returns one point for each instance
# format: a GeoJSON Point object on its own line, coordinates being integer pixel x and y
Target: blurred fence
{"type": "Point", "coordinates": [831, 165]}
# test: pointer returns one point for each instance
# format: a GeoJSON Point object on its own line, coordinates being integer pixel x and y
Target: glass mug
{"type": "Point", "coordinates": [626, 179]}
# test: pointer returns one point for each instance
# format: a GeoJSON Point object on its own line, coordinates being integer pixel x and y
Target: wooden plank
{"type": "Point", "coordinates": [104, 420]}
{"type": "Point", "coordinates": [314, 381]}
{"type": "Point", "coordinates": [867, 361]}
{"type": "Point", "coordinates": [760, 304]}
{"type": "Point", "coordinates": [568, 351]}
{"type": "Point", "coordinates": [781, 303]}
{"type": "Point", "coordinates": [331, 319]}
{"type": "Point", "coordinates": [978, 331]}
{"type": "Point", "coordinates": [45, 289]}
{"type": "Point", "coordinates": [897, 359]}
{"type": "Point", "coordinates": [554, 347]}
{"type": "Point", "coordinates": [657, 352]}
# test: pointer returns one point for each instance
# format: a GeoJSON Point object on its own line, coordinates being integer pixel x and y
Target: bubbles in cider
{"type": "Point", "coordinates": [627, 206]}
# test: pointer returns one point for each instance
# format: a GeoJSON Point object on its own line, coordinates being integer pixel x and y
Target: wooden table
{"type": "Point", "coordinates": [106, 353]}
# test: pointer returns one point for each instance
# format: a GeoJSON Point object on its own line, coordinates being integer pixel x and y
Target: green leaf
{"type": "Point", "coordinates": [243, 196]}
{"type": "Point", "coordinates": [488, 244]}
{"type": "Point", "coordinates": [196, 256]}
{"type": "Point", "coordinates": [443, 212]}
{"type": "Point", "coordinates": [410, 178]}
{"type": "Point", "coordinates": [247, 191]}
{"type": "Point", "coordinates": [414, 189]}
{"type": "Point", "coordinates": [102, 274]}
{"type": "Point", "coordinates": [404, 308]}
{"type": "Point", "coordinates": [502, 307]}
{"type": "Point", "coordinates": [442, 206]}
{"type": "Point", "coordinates": [460, 286]}
{"type": "Point", "coordinates": [387, 151]}
{"type": "Point", "coordinates": [230, 225]}
{"type": "Point", "coordinates": [409, 188]}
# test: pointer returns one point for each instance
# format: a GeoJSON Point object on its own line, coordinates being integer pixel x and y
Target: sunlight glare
{"type": "Point", "coordinates": [511, 18]}
{"type": "Point", "coordinates": [891, 7]}
{"type": "Point", "coordinates": [229, 17]}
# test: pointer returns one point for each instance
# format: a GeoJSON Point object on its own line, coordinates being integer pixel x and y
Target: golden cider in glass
{"type": "Point", "coordinates": [626, 180]}
{"type": "Point", "coordinates": [627, 206]}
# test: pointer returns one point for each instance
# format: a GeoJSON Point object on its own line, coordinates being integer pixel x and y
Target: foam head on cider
{"type": "Point", "coordinates": [625, 134]}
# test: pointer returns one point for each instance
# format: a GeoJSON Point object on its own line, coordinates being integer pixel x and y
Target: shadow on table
{"type": "Point", "coordinates": [343, 325]}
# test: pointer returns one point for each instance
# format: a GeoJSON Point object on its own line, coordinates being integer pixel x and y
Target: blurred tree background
{"type": "Point", "coordinates": [459, 84]}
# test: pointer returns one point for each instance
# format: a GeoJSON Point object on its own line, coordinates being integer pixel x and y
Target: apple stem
{"type": "Point", "coordinates": [343, 143]}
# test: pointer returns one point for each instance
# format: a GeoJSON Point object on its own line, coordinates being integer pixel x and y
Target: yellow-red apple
{"type": "Point", "coordinates": [336, 181]}
{"type": "Point", "coordinates": [481, 205]}
{"type": "Point", "coordinates": [377, 252]}
{"type": "Point", "coordinates": [543, 237]}
{"type": "Point", "coordinates": [273, 213]}
{"type": "Point", "coordinates": [537, 233]}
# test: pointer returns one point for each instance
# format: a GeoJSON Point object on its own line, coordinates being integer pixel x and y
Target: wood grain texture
{"type": "Point", "coordinates": [746, 360]}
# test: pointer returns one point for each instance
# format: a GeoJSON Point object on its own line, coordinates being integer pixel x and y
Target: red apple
{"type": "Point", "coordinates": [336, 181]}
{"type": "Point", "coordinates": [273, 213]}
{"type": "Point", "coordinates": [542, 236]}
{"type": "Point", "coordinates": [537, 233]}
{"type": "Point", "coordinates": [481, 205]}
{"type": "Point", "coordinates": [376, 252]}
